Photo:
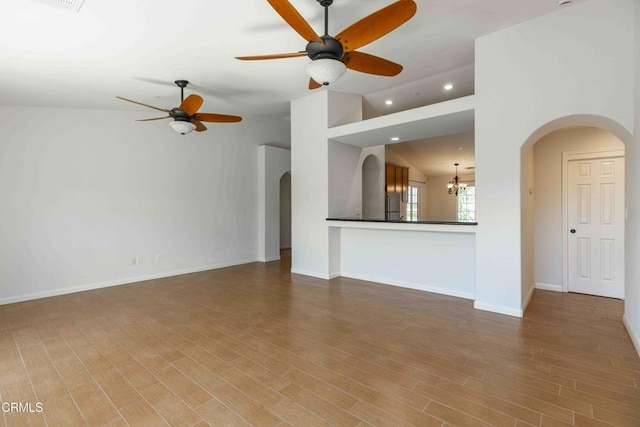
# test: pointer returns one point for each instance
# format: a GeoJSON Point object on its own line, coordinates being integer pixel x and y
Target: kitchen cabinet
{"type": "Point", "coordinates": [397, 180]}
{"type": "Point", "coordinates": [390, 178]}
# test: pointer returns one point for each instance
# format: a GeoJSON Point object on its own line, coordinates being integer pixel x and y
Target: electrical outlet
{"type": "Point", "coordinates": [134, 260]}
{"type": "Point", "coordinates": [138, 260]}
{"type": "Point", "coordinates": [157, 258]}
{"type": "Point", "coordinates": [357, 211]}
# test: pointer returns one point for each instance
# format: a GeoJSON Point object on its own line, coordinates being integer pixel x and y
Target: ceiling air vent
{"type": "Point", "coordinates": [71, 5]}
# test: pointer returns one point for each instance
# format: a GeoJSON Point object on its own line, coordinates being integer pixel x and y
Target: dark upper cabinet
{"type": "Point", "coordinates": [390, 178]}
{"type": "Point", "coordinates": [405, 184]}
{"type": "Point", "coordinates": [397, 180]}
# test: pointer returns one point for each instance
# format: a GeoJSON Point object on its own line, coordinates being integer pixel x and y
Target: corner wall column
{"type": "Point", "coordinates": [316, 248]}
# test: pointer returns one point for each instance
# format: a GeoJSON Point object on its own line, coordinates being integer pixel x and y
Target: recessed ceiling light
{"type": "Point", "coordinates": [395, 138]}
{"type": "Point", "coordinates": [389, 102]}
{"type": "Point", "coordinates": [448, 86]}
{"type": "Point", "coordinates": [459, 148]}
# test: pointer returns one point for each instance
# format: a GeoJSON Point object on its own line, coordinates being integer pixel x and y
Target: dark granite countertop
{"type": "Point", "coordinates": [403, 221]}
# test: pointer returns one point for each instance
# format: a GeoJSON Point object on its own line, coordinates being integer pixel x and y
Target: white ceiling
{"type": "Point", "coordinates": [55, 58]}
{"type": "Point", "coordinates": [437, 156]}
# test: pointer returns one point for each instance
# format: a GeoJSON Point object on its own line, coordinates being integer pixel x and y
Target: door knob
{"type": "Point", "coordinates": [573, 231]}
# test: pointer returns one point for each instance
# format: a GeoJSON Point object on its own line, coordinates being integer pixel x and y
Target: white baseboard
{"type": "Point", "coordinates": [269, 259]}
{"type": "Point", "coordinates": [498, 309]}
{"type": "Point", "coordinates": [548, 287]}
{"type": "Point", "coordinates": [314, 274]}
{"type": "Point", "coordinates": [118, 282]}
{"type": "Point", "coordinates": [311, 274]}
{"type": "Point", "coordinates": [527, 300]}
{"type": "Point", "coordinates": [635, 338]}
{"type": "Point", "coordinates": [411, 285]}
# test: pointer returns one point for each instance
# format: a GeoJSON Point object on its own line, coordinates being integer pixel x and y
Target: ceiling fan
{"type": "Point", "coordinates": [331, 56]}
{"type": "Point", "coordinates": [186, 117]}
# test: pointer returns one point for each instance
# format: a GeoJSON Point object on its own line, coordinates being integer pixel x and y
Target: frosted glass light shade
{"type": "Point", "coordinates": [325, 70]}
{"type": "Point", "coordinates": [182, 127]}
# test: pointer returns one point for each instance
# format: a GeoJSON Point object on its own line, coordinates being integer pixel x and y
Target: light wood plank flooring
{"type": "Point", "coordinates": [256, 345]}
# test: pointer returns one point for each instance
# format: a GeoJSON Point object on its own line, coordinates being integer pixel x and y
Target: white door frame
{"type": "Point", "coordinates": [568, 156]}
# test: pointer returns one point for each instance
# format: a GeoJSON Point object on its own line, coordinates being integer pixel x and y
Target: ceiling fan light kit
{"type": "Point", "coordinates": [182, 127]}
{"type": "Point", "coordinates": [325, 70]}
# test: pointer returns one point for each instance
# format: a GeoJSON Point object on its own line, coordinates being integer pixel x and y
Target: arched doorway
{"type": "Point", "coordinates": [554, 256]}
{"type": "Point", "coordinates": [285, 217]}
{"type": "Point", "coordinates": [372, 188]}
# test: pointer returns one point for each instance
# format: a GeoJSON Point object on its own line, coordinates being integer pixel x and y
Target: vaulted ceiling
{"type": "Point", "coordinates": [136, 48]}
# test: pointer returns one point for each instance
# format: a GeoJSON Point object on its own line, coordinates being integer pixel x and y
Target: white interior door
{"type": "Point", "coordinates": [595, 209]}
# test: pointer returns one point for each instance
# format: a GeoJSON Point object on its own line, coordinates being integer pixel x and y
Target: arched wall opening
{"type": "Point", "coordinates": [273, 163]}
{"type": "Point", "coordinates": [372, 188]}
{"type": "Point", "coordinates": [285, 211]}
{"type": "Point", "coordinates": [543, 193]}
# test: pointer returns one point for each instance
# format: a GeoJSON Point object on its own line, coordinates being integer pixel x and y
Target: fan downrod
{"type": "Point", "coordinates": [181, 84]}
{"type": "Point", "coordinates": [330, 48]}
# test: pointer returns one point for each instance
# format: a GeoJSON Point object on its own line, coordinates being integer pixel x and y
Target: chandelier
{"type": "Point", "coordinates": [455, 186]}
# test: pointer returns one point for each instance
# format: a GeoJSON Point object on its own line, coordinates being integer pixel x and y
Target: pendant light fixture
{"type": "Point", "coordinates": [455, 186]}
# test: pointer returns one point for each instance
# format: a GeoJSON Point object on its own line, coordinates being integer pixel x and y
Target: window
{"type": "Point", "coordinates": [412, 203]}
{"type": "Point", "coordinates": [467, 204]}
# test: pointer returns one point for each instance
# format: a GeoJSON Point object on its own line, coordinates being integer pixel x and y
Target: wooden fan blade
{"type": "Point", "coordinates": [145, 105]}
{"type": "Point", "coordinates": [219, 118]}
{"type": "Point", "coordinates": [370, 64]}
{"type": "Point", "coordinates": [199, 126]}
{"type": "Point", "coordinates": [295, 20]}
{"type": "Point", "coordinates": [191, 104]}
{"type": "Point", "coordinates": [376, 25]}
{"type": "Point", "coordinates": [157, 118]}
{"type": "Point", "coordinates": [275, 56]}
{"type": "Point", "coordinates": [314, 84]}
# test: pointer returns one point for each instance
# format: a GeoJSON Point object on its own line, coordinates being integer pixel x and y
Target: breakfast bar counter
{"type": "Point", "coordinates": [433, 256]}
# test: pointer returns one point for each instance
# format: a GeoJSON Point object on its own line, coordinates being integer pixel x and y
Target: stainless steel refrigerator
{"type": "Point", "coordinates": [393, 210]}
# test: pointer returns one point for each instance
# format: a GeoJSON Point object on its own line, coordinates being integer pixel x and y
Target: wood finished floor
{"type": "Point", "coordinates": [256, 345]}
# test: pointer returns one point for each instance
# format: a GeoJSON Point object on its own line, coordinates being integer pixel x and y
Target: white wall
{"type": "Point", "coordinates": [527, 223]}
{"type": "Point", "coordinates": [285, 211]}
{"type": "Point", "coordinates": [413, 259]}
{"type": "Point", "coordinates": [632, 189]}
{"type": "Point", "coordinates": [345, 180]}
{"type": "Point", "coordinates": [309, 185]}
{"type": "Point", "coordinates": [273, 162]}
{"type": "Point", "coordinates": [316, 249]}
{"type": "Point", "coordinates": [527, 76]}
{"type": "Point", "coordinates": [548, 196]}
{"type": "Point", "coordinates": [83, 192]}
